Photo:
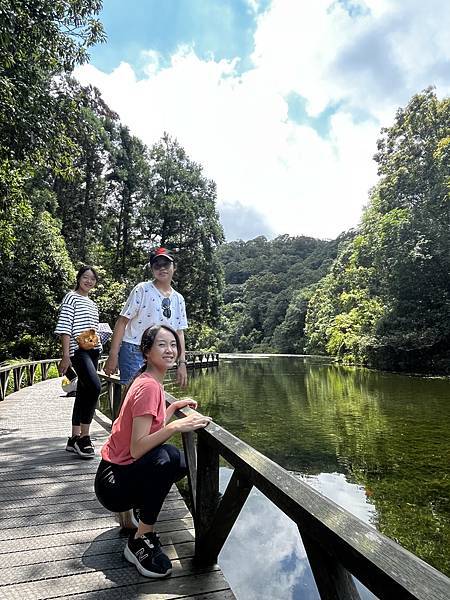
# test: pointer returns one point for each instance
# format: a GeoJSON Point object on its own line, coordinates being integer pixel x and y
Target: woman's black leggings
{"type": "Point", "coordinates": [143, 484]}
{"type": "Point", "coordinates": [85, 363]}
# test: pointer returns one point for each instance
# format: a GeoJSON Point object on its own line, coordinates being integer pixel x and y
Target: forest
{"type": "Point", "coordinates": [76, 187]}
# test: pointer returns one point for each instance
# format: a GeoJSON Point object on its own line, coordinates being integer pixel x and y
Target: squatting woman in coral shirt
{"type": "Point", "coordinates": [138, 467]}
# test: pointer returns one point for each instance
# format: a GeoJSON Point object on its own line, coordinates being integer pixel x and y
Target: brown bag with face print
{"type": "Point", "coordinates": [87, 340]}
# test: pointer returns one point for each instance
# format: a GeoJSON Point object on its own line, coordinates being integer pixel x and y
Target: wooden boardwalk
{"type": "Point", "coordinates": [55, 539]}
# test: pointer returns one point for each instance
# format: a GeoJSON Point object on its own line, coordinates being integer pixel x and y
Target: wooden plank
{"type": "Point", "coordinates": [184, 579]}
{"type": "Point", "coordinates": [71, 508]}
{"type": "Point", "coordinates": [56, 541]}
{"type": "Point", "coordinates": [82, 525]}
{"type": "Point", "coordinates": [107, 560]}
{"type": "Point", "coordinates": [207, 497]}
{"type": "Point", "coordinates": [122, 593]}
{"type": "Point", "coordinates": [190, 453]}
{"type": "Point", "coordinates": [81, 514]}
{"type": "Point", "coordinates": [67, 539]}
{"type": "Point", "coordinates": [332, 580]}
{"type": "Point", "coordinates": [180, 545]}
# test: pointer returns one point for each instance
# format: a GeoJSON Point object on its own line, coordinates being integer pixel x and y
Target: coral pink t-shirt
{"type": "Point", "coordinates": [145, 397]}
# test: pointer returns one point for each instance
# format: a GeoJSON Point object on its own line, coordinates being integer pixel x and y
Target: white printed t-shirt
{"type": "Point", "coordinates": [143, 309]}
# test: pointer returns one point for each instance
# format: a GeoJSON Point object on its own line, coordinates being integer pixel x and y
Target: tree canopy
{"type": "Point", "coordinates": [386, 299]}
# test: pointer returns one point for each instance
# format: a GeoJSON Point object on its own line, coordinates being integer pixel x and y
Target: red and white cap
{"type": "Point", "coordinates": [161, 253]}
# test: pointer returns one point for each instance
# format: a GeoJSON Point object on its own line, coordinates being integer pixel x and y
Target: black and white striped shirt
{"type": "Point", "coordinates": [76, 314]}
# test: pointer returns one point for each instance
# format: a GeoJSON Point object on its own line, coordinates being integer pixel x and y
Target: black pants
{"type": "Point", "coordinates": [85, 363]}
{"type": "Point", "coordinates": [143, 484]}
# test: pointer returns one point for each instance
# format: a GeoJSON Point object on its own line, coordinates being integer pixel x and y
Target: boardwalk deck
{"type": "Point", "coordinates": [55, 539]}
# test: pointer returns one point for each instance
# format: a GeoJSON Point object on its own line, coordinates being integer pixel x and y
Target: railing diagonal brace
{"type": "Point", "coordinates": [228, 510]}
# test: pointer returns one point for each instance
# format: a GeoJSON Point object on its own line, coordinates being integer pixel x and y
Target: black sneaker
{"type": "Point", "coordinates": [70, 447]}
{"type": "Point", "coordinates": [146, 555]}
{"type": "Point", "coordinates": [84, 447]}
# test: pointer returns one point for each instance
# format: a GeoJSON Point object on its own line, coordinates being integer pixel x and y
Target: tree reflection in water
{"type": "Point", "coordinates": [378, 440]}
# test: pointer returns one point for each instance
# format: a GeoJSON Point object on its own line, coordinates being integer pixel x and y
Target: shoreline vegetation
{"type": "Point", "coordinates": [78, 188]}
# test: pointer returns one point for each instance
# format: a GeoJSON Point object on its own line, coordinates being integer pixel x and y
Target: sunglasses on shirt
{"type": "Point", "coordinates": [165, 305]}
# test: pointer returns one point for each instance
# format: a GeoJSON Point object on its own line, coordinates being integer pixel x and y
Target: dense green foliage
{"type": "Point", "coordinates": [386, 300]}
{"type": "Point", "coordinates": [77, 187]}
{"type": "Point", "coordinates": [39, 40]}
{"type": "Point", "coordinates": [268, 284]}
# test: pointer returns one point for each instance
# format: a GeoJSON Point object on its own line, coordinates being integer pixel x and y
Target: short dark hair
{"type": "Point", "coordinates": [82, 271]}
{"type": "Point", "coordinates": [149, 335]}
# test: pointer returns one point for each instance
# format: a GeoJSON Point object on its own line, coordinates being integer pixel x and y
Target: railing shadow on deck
{"type": "Point", "coordinates": [338, 544]}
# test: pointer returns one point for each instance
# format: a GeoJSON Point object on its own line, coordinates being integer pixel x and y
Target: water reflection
{"type": "Point", "coordinates": [382, 439]}
{"type": "Point", "coordinates": [377, 444]}
{"type": "Point", "coordinates": [264, 556]}
{"type": "Point", "coordinates": [348, 495]}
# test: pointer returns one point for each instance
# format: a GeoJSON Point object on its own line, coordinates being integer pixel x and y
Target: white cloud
{"type": "Point", "coordinates": [366, 61]}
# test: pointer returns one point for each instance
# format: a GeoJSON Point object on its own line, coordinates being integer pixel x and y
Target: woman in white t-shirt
{"type": "Point", "coordinates": [149, 303]}
{"type": "Point", "coordinates": [77, 314]}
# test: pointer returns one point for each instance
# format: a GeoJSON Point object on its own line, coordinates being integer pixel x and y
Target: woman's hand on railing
{"type": "Point", "coordinates": [191, 423]}
{"type": "Point", "coordinates": [183, 403]}
{"type": "Point", "coordinates": [178, 404]}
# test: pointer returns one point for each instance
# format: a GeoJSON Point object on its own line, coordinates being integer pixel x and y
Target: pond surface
{"type": "Point", "coordinates": [375, 443]}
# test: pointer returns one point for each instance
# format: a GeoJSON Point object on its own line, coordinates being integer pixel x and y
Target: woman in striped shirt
{"type": "Point", "coordinates": [79, 313]}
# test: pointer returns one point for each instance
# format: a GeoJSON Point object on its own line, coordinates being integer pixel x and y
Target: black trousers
{"type": "Point", "coordinates": [85, 363]}
{"type": "Point", "coordinates": [143, 484]}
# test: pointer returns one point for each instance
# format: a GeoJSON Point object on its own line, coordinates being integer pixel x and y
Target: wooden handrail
{"type": "Point", "coordinates": [29, 368]}
{"type": "Point", "coordinates": [19, 370]}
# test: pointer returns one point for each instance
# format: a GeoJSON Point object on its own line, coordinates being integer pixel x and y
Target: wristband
{"type": "Point", "coordinates": [182, 362]}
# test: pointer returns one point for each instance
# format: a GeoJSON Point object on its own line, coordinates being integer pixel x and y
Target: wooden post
{"type": "Point", "coordinates": [31, 372]}
{"type": "Point", "coordinates": [4, 379]}
{"type": "Point", "coordinates": [190, 454]}
{"type": "Point", "coordinates": [332, 580]}
{"type": "Point", "coordinates": [18, 376]}
{"type": "Point", "coordinates": [44, 371]}
{"type": "Point", "coordinates": [207, 497]}
{"type": "Point", "coordinates": [115, 398]}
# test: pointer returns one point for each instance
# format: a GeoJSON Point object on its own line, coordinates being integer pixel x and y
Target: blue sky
{"type": "Point", "coordinates": [212, 27]}
{"type": "Point", "coordinates": [281, 101]}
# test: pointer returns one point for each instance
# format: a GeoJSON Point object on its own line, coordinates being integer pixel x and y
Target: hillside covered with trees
{"type": "Point", "coordinates": [385, 299]}
{"type": "Point", "coordinates": [267, 289]}
{"type": "Point", "coordinates": [77, 187]}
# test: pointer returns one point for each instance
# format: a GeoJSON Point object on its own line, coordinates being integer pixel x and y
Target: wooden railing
{"type": "Point", "coordinates": [24, 373]}
{"type": "Point", "coordinates": [338, 544]}
{"type": "Point", "coordinates": [197, 360]}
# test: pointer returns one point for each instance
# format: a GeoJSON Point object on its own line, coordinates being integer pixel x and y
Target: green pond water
{"type": "Point", "coordinates": [375, 443]}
